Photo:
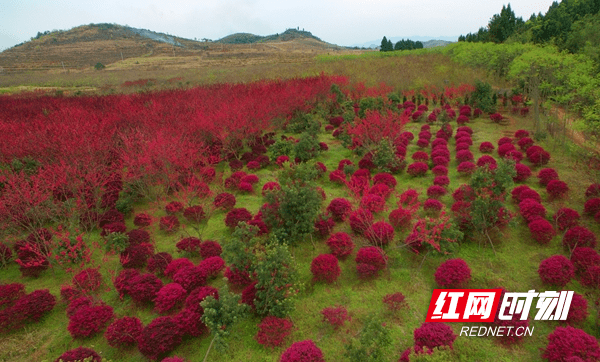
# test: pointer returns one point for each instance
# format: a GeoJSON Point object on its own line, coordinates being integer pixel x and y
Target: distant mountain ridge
{"type": "Point", "coordinates": [444, 40]}
{"type": "Point", "coordinates": [247, 38]}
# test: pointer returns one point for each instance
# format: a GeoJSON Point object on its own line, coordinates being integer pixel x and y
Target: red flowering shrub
{"type": "Point", "coordinates": [525, 143]}
{"type": "Point", "coordinates": [370, 260]}
{"type": "Point", "coordinates": [336, 121]}
{"type": "Point", "coordinates": [464, 156]}
{"type": "Point", "coordinates": [189, 323]}
{"type": "Point", "coordinates": [578, 311]}
{"type": "Point", "coordinates": [538, 158]}
{"type": "Point", "coordinates": [541, 231]}
{"type": "Point", "coordinates": [584, 258]}
{"type": "Point", "coordinates": [441, 181]}
{"type": "Point", "coordinates": [237, 277]}
{"type": "Point", "coordinates": [88, 280]}
{"type": "Point", "coordinates": [571, 344]}
{"type": "Point", "coordinates": [514, 155]}
{"type": "Point", "coordinates": [579, 236]}
{"type": "Point", "coordinates": [432, 335]}
{"type": "Point", "coordinates": [304, 351]}
{"type": "Point", "coordinates": [373, 203]}
{"type": "Point", "coordinates": [463, 146]}
{"type": "Point", "coordinates": [592, 191]}
{"type": "Point", "coordinates": [138, 236]}
{"type": "Point", "coordinates": [270, 186]}
{"type": "Point", "coordinates": [10, 293]}
{"type": "Point", "coordinates": [394, 301]}
{"type": "Point", "coordinates": [466, 140]}
{"type": "Point", "coordinates": [462, 119]}
{"type": "Point", "coordinates": [136, 256]}
{"type": "Point", "coordinates": [466, 168]}
{"type": "Point", "coordinates": [245, 187]}
{"type": "Point", "coordinates": [528, 193]}
{"type": "Point", "coordinates": [210, 248]}
{"type": "Point", "coordinates": [592, 206]}
{"type": "Point", "coordinates": [523, 172]}
{"type": "Point", "coordinates": [432, 206]}
{"type": "Point", "coordinates": [175, 265]}
{"type": "Point", "coordinates": [169, 298]}
{"type": "Point", "coordinates": [440, 152]}
{"type": "Point", "coordinates": [425, 134]}
{"type": "Point", "coordinates": [253, 165]}
{"type": "Point", "coordinates": [144, 287]}
{"type": "Point", "coordinates": [236, 216]}
{"type": "Point", "coordinates": [385, 179]}
{"type": "Point", "coordinates": [169, 223]}
{"type": "Point", "coordinates": [335, 316]}
{"type": "Point", "coordinates": [225, 201]}
{"type": "Point", "coordinates": [400, 218]}
{"type": "Point", "coordinates": [323, 225]}
{"type": "Point", "coordinates": [441, 161]}
{"type": "Point", "coordinates": [381, 190]}
{"type": "Point", "coordinates": [423, 143]}
{"type": "Point", "coordinates": [79, 354]}
{"type": "Point", "coordinates": [486, 147]}
{"type": "Point", "coordinates": [325, 268]}
{"type": "Point", "coordinates": [488, 161]}
{"type": "Point", "coordinates": [566, 218]}
{"type": "Point", "coordinates": [339, 208]}
{"type": "Point", "coordinates": [159, 337]}
{"type": "Point", "coordinates": [249, 295]}
{"type": "Point", "coordinates": [273, 331]}
{"type": "Point", "coordinates": [556, 270]}
{"type": "Point", "coordinates": [192, 302]}
{"type": "Point", "coordinates": [436, 192]}
{"type": "Point", "coordinates": [463, 193]}
{"type": "Point", "coordinates": [189, 245]}
{"type": "Point", "coordinates": [88, 321]}
{"type": "Point", "coordinates": [78, 303]}
{"type": "Point", "coordinates": [123, 281]}
{"type": "Point", "coordinates": [531, 209]}
{"type": "Point", "coordinates": [504, 149]}
{"type": "Point", "coordinates": [212, 266]}
{"type": "Point", "coordinates": [453, 273]}
{"type": "Point", "coordinates": [504, 140]}
{"type": "Point", "coordinates": [380, 233]}
{"type": "Point", "coordinates": [236, 165]}
{"type": "Point", "coordinates": [462, 135]}
{"type": "Point", "coordinates": [141, 220]}
{"type": "Point", "coordinates": [340, 244]}
{"type": "Point", "coordinates": [417, 169]}
{"type": "Point", "coordinates": [591, 277]}
{"type": "Point", "coordinates": [546, 175]}
{"type": "Point", "coordinates": [420, 156]}
{"type": "Point", "coordinates": [173, 207]}
{"type": "Point", "coordinates": [557, 189]}
{"type": "Point", "coordinates": [337, 176]}
{"type": "Point", "coordinates": [32, 307]}
{"type": "Point", "coordinates": [439, 142]}
{"type": "Point", "coordinates": [360, 220]}
{"type": "Point", "coordinates": [113, 227]}
{"type": "Point", "coordinates": [521, 134]}
{"type": "Point", "coordinates": [123, 332]}
{"type": "Point", "coordinates": [191, 277]}
{"type": "Point", "coordinates": [109, 216]}
{"type": "Point", "coordinates": [194, 214]}
{"type": "Point", "coordinates": [440, 170]}
{"type": "Point", "coordinates": [409, 197]}
{"type": "Point", "coordinates": [496, 117]}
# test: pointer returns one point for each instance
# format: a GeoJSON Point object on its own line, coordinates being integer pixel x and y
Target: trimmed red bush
{"type": "Point", "coordinates": [432, 206]}
{"type": "Point", "coordinates": [584, 258]}
{"type": "Point", "coordinates": [546, 175]}
{"type": "Point", "coordinates": [538, 158]}
{"type": "Point", "coordinates": [592, 207]}
{"type": "Point", "coordinates": [343, 163]}
{"type": "Point", "coordinates": [159, 262]}
{"type": "Point", "coordinates": [541, 231]}
{"type": "Point", "coordinates": [531, 209]}
{"type": "Point", "coordinates": [568, 343]}
{"type": "Point", "coordinates": [113, 227]}
{"type": "Point", "coordinates": [79, 354]}
{"type": "Point", "coordinates": [249, 295]}
{"type": "Point", "coordinates": [141, 220]}
{"type": "Point", "coordinates": [335, 316]}
{"type": "Point", "coordinates": [423, 143]}
{"type": "Point", "coordinates": [525, 143]}
{"type": "Point", "coordinates": [579, 236]}
{"type": "Point", "coordinates": [144, 287]}
{"type": "Point", "coordinates": [159, 337]}
{"type": "Point", "coordinates": [77, 303]}
{"type": "Point", "coordinates": [88, 280]}
{"type": "Point", "coordinates": [523, 172]}
{"type": "Point", "coordinates": [253, 165]}
{"type": "Point", "coordinates": [453, 273]}
{"type": "Point", "coordinates": [461, 134]}
{"type": "Point", "coordinates": [425, 134]}
{"type": "Point", "coordinates": [432, 335]}
{"type": "Point", "coordinates": [340, 244]}
{"type": "Point", "coordinates": [557, 189]}
{"type": "Point", "coordinates": [370, 260]}
{"type": "Point", "coordinates": [409, 197]}
{"type": "Point", "coordinates": [323, 225]}
{"type": "Point", "coordinates": [373, 203]}
{"type": "Point", "coordinates": [441, 161]}
{"type": "Point", "coordinates": [192, 302]}
{"type": "Point", "coordinates": [417, 169]}
{"type": "Point", "coordinates": [304, 351]}
{"type": "Point", "coordinates": [462, 119]}
{"type": "Point", "coordinates": [169, 298]}
{"type": "Point", "coordinates": [169, 223]}
{"type": "Point", "coordinates": [436, 192]}
{"type": "Point", "coordinates": [504, 140]}
{"type": "Point", "coordinates": [33, 306]}
{"type": "Point", "coordinates": [441, 181]}
{"type": "Point", "coordinates": [212, 266]}
{"type": "Point", "coordinates": [190, 323]}
{"type": "Point", "coordinates": [194, 214]}
{"type": "Point", "coordinates": [381, 190]}
{"type": "Point", "coordinates": [189, 245]}
{"type": "Point", "coordinates": [592, 191]}
{"type": "Point", "coordinates": [486, 147]}
{"type": "Point", "coordinates": [488, 161]}
{"type": "Point", "coordinates": [245, 187]}
{"type": "Point", "coordinates": [360, 220]}
{"type": "Point", "coordinates": [10, 293]}
{"type": "Point", "coordinates": [466, 168]}
{"type": "Point", "coordinates": [225, 201]}
{"type": "Point", "coordinates": [504, 149]}
{"type": "Point", "coordinates": [123, 332]}
{"type": "Point", "coordinates": [136, 256]}
{"type": "Point", "coordinates": [237, 277]}
{"type": "Point", "coordinates": [138, 236]}
{"type": "Point", "coordinates": [380, 233]}
{"type": "Point", "coordinates": [440, 152]}
{"type": "Point", "coordinates": [270, 186]}
{"type": "Point", "coordinates": [175, 265]}
{"type": "Point", "coordinates": [464, 156]}
{"type": "Point", "coordinates": [173, 207]}
{"type": "Point", "coordinates": [556, 270]}
{"type": "Point", "coordinates": [463, 193]}
{"type": "Point", "coordinates": [88, 321]}
{"type": "Point", "coordinates": [190, 277]}
{"type": "Point", "coordinates": [530, 194]}
{"type": "Point", "coordinates": [394, 301]}
{"type": "Point", "coordinates": [439, 142]}
{"type": "Point", "coordinates": [273, 331]}
{"type": "Point", "coordinates": [400, 218]}
{"type": "Point", "coordinates": [440, 170]}
{"type": "Point", "coordinates": [462, 146]}
{"type": "Point", "coordinates": [420, 156]}
{"type": "Point", "coordinates": [386, 179]}
{"type": "Point", "coordinates": [578, 311]}
{"type": "Point", "coordinates": [236, 216]}
{"type": "Point", "coordinates": [521, 134]}
{"type": "Point", "coordinates": [123, 281]}
{"type": "Point", "coordinates": [339, 209]}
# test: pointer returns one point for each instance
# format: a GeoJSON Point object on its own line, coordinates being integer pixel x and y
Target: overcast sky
{"type": "Point", "coordinates": [342, 22]}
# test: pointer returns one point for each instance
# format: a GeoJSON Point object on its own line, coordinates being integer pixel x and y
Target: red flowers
{"type": "Point", "coordinates": [453, 273]}
{"type": "Point", "coordinates": [556, 270]}
{"type": "Point", "coordinates": [273, 331]}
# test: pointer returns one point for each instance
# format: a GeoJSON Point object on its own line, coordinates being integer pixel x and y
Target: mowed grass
{"type": "Point", "coordinates": [513, 266]}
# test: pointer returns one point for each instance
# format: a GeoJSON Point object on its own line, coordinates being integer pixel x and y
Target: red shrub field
{"type": "Point", "coordinates": [306, 219]}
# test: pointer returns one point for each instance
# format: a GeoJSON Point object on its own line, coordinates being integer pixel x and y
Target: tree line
{"type": "Point", "coordinates": [388, 46]}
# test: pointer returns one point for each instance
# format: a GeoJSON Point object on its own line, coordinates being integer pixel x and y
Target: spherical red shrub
{"type": "Point", "coordinates": [245, 187]}
{"type": "Point", "coordinates": [175, 265]}
{"type": "Point", "coordinates": [339, 208]}
{"type": "Point", "coordinates": [273, 331]}
{"type": "Point", "coordinates": [440, 171]}
{"type": "Point", "coordinates": [417, 169]}
{"type": "Point", "coordinates": [591, 277]}
{"type": "Point", "coordinates": [436, 192]}
{"type": "Point", "coordinates": [521, 134]}
{"type": "Point", "coordinates": [496, 117]}
{"type": "Point", "coordinates": [88, 280]}
{"type": "Point", "coordinates": [169, 298]}
{"type": "Point", "coordinates": [530, 194]}
{"type": "Point", "coordinates": [194, 214]}
{"type": "Point", "coordinates": [190, 277]}
{"type": "Point", "coordinates": [420, 156]}
{"type": "Point", "coordinates": [123, 332]}
{"type": "Point", "coordinates": [488, 161]}
{"type": "Point", "coordinates": [464, 156]}
{"type": "Point", "coordinates": [556, 270]}
{"type": "Point", "coordinates": [253, 165]}
{"type": "Point", "coordinates": [441, 181]}
{"type": "Point", "coordinates": [466, 168]}
{"type": "Point", "coordinates": [79, 354]}
{"type": "Point", "coordinates": [236, 216]}
{"type": "Point", "coordinates": [360, 220]}
{"type": "Point", "coordinates": [236, 164]}
{"type": "Point", "coordinates": [439, 142]}
{"type": "Point", "coordinates": [579, 236]}
{"type": "Point", "coordinates": [159, 337]}
{"type": "Point", "coordinates": [10, 293]}
{"type": "Point", "coordinates": [541, 231]}
{"type": "Point", "coordinates": [249, 295]}
{"type": "Point", "coordinates": [138, 236]}
{"type": "Point", "coordinates": [523, 172]}
{"type": "Point", "coordinates": [369, 261]}
{"type": "Point", "coordinates": [432, 335]}
{"type": "Point", "coordinates": [337, 176]}
{"type": "Point", "coordinates": [557, 189]}
{"type": "Point", "coordinates": [433, 206]}
{"type": "Point", "coordinates": [516, 193]}
{"type": "Point", "coordinates": [525, 143]}
{"type": "Point", "coordinates": [461, 134]}
{"type": "Point", "coordinates": [88, 321]}
{"type": "Point", "coordinates": [441, 161]}
{"type": "Point", "coordinates": [343, 163]}
{"type": "Point", "coordinates": [189, 245]}
{"type": "Point", "coordinates": [380, 233]}
{"type": "Point", "coordinates": [77, 303]}
{"type": "Point", "coordinates": [486, 147]}
{"type": "Point", "coordinates": [592, 206]}
{"type": "Point", "coordinates": [335, 316]}
{"type": "Point", "coordinates": [270, 186]}
{"type": "Point", "coordinates": [546, 175]}
{"type": "Point", "coordinates": [304, 351]}
{"type": "Point", "coordinates": [190, 323]}
{"type": "Point", "coordinates": [113, 227]}
{"type": "Point", "coordinates": [394, 301]}
{"type": "Point", "coordinates": [210, 248]}
{"type": "Point", "coordinates": [33, 306]}
{"type": "Point", "coordinates": [144, 287]}
{"type": "Point", "coordinates": [323, 225]}
{"type": "Point", "coordinates": [462, 119]}
{"type": "Point", "coordinates": [173, 207]}
{"type": "Point", "coordinates": [123, 281]}
{"type": "Point", "coordinates": [568, 343]}
{"type": "Point", "coordinates": [578, 311]}
{"type": "Point", "coordinates": [531, 209]}
{"type": "Point", "coordinates": [453, 273]}
{"type": "Point", "coordinates": [504, 140]}
{"type": "Point", "coordinates": [373, 203]}
{"type": "Point", "coordinates": [381, 190]}
{"type": "Point", "coordinates": [440, 152]}
{"type": "Point", "coordinates": [212, 266]}
{"type": "Point", "coordinates": [136, 256]}
{"type": "Point", "coordinates": [584, 258]}
{"type": "Point", "coordinates": [463, 146]}
{"type": "Point", "coordinates": [425, 134]}
{"type": "Point", "coordinates": [400, 218]}
{"type": "Point", "coordinates": [465, 139]}
{"type": "Point", "coordinates": [592, 191]}
{"type": "Point", "coordinates": [225, 201]}
{"type": "Point", "coordinates": [505, 149]}
{"type": "Point", "coordinates": [423, 143]}
{"type": "Point", "coordinates": [463, 193]}
{"type": "Point", "coordinates": [141, 220]}
{"type": "Point", "coordinates": [340, 244]}
{"type": "Point", "coordinates": [386, 179]}
{"type": "Point", "coordinates": [192, 302]}
{"type": "Point", "coordinates": [538, 158]}
{"type": "Point", "coordinates": [169, 223]}
{"type": "Point", "coordinates": [409, 197]}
